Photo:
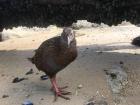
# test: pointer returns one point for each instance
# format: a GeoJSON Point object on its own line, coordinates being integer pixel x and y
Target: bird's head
{"type": "Point", "coordinates": [67, 36]}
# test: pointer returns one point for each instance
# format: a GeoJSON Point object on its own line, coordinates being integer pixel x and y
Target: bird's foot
{"type": "Point", "coordinates": [60, 88]}
{"type": "Point", "coordinates": [59, 91]}
{"type": "Point", "coordinates": [62, 95]}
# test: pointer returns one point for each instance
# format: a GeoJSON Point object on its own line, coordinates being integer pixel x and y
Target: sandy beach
{"type": "Point", "coordinates": [98, 49]}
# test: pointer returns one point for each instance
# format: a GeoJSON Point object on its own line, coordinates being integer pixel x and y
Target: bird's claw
{"type": "Point", "coordinates": [61, 94]}
{"type": "Point", "coordinates": [60, 88]}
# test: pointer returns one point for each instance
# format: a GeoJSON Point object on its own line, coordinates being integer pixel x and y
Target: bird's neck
{"type": "Point", "coordinates": [64, 46]}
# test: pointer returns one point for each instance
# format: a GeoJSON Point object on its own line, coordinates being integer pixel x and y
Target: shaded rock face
{"type": "Point", "coordinates": [65, 12]}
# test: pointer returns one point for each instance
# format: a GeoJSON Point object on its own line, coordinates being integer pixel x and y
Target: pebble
{"type": "Point", "coordinates": [44, 77]}
{"type": "Point", "coordinates": [80, 86]}
{"type": "Point", "coordinates": [27, 102]}
{"type": "Point", "coordinates": [42, 99]}
{"type": "Point", "coordinates": [28, 95]}
{"type": "Point", "coordinates": [29, 72]}
{"type": "Point", "coordinates": [90, 103]}
{"type": "Point", "coordinates": [5, 96]}
{"type": "Point", "coordinates": [17, 79]}
{"type": "Point", "coordinates": [121, 62]}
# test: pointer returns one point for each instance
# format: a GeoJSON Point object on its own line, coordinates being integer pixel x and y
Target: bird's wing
{"type": "Point", "coordinates": [46, 49]}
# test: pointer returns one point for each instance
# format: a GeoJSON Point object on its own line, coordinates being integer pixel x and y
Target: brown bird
{"type": "Point", "coordinates": [54, 55]}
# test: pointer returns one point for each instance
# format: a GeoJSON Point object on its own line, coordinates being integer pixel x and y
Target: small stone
{"type": "Point", "coordinates": [100, 52]}
{"type": "Point", "coordinates": [90, 103]}
{"type": "Point", "coordinates": [29, 72]}
{"type": "Point", "coordinates": [97, 102]}
{"type": "Point", "coordinates": [27, 102]}
{"type": "Point", "coordinates": [2, 75]}
{"type": "Point", "coordinates": [113, 75]}
{"type": "Point", "coordinates": [28, 95]}
{"type": "Point", "coordinates": [5, 96]}
{"type": "Point", "coordinates": [44, 77]}
{"type": "Point", "coordinates": [42, 99]}
{"type": "Point", "coordinates": [80, 86]}
{"type": "Point", "coordinates": [121, 62]}
{"type": "Point", "coordinates": [17, 79]}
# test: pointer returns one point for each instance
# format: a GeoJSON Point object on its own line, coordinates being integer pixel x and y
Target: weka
{"type": "Point", "coordinates": [54, 55]}
{"type": "Point", "coordinates": [136, 41]}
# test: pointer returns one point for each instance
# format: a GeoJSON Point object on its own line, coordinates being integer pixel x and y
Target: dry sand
{"type": "Point", "coordinates": [87, 69]}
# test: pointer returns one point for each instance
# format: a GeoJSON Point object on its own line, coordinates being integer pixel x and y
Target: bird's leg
{"type": "Point", "coordinates": [61, 88]}
{"type": "Point", "coordinates": [58, 91]}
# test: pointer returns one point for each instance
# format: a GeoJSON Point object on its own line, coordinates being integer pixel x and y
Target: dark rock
{"type": "Point", "coordinates": [42, 99]}
{"type": "Point", "coordinates": [17, 79]}
{"type": "Point", "coordinates": [99, 101]}
{"type": "Point", "coordinates": [100, 52]}
{"type": "Point", "coordinates": [29, 72]}
{"type": "Point", "coordinates": [136, 41]}
{"type": "Point", "coordinates": [5, 96]}
{"type": "Point", "coordinates": [113, 75]}
{"type": "Point", "coordinates": [121, 62]}
{"type": "Point", "coordinates": [44, 77]}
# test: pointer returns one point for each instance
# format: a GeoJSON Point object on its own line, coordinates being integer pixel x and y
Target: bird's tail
{"type": "Point", "coordinates": [31, 60]}
{"type": "Point", "coordinates": [136, 41]}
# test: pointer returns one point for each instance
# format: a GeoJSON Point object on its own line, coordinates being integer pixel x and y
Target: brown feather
{"type": "Point", "coordinates": [52, 56]}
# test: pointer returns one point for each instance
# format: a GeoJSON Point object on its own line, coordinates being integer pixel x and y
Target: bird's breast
{"type": "Point", "coordinates": [53, 64]}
